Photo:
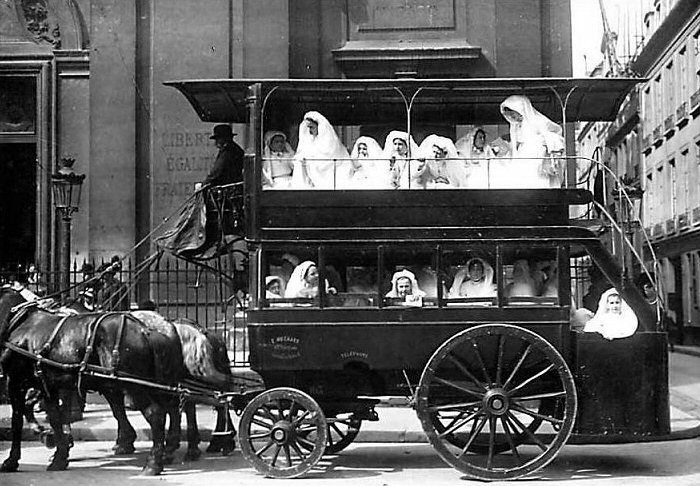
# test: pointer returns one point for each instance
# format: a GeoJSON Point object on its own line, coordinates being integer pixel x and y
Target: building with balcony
{"type": "Point", "coordinates": [669, 157]}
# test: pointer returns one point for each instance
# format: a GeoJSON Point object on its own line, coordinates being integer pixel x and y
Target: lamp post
{"type": "Point", "coordinates": [67, 186]}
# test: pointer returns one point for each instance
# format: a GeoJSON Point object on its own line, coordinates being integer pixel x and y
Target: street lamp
{"type": "Point", "coordinates": [67, 186]}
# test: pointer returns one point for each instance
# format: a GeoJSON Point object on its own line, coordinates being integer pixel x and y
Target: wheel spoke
{"type": "Point", "coordinates": [287, 455]}
{"type": "Point", "coordinates": [301, 417]}
{"type": "Point", "coordinates": [509, 437]}
{"type": "Point", "coordinates": [518, 365]}
{"type": "Point", "coordinates": [492, 440]}
{"type": "Point", "coordinates": [298, 451]}
{"type": "Point", "coordinates": [263, 410]}
{"type": "Point", "coordinates": [337, 429]}
{"type": "Point", "coordinates": [464, 370]}
{"type": "Point", "coordinates": [532, 378]}
{"type": "Point", "coordinates": [480, 360]}
{"type": "Point", "coordinates": [280, 409]}
{"type": "Point", "coordinates": [305, 429]}
{"type": "Point", "coordinates": [292, 410]}
{"type": "Point", "coordinates": [473, 436]}
{"type": "Point", "coordinates": [306, 441]}
{"type": "Point", "coordinates": [458, 387]}
{"type": "Point", "coordinates": [524, 410]}
{"type": "Point", "coordinates": [540, 396]}
{"type": "Point", "coordinates": [499, 365]}
{"type": "Point", "coordinates": [456, 426]}
{"type": "Point", "coordinates": [259, 436]}
{"type": "Point", "coordinates": [452, 406]}
{"type": "Point", "coordinates": [529, 433]}
{"type": "Point", "coordinates": [267, 446]}
{"type": "Point", "coordinates": [261, 423]}
{"type": "Point", "coordinates": [277, 453]}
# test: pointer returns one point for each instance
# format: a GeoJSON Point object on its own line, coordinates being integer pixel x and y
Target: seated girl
{"type": "Point", "coordinates": [405, 287]}
{"type": "Point", "coordinates": [440, 167]}
{"type": "Point", "coordinates": [614, 319]}
{"type": "Point", "coordinates": [475, 279]}
{"type": "Point", "coordinates": [399, 148]}
{"type": "Point", "coordinates": [370, 170]}
{"type": "Point", "coordinates": [304, 282]}
{"type": "Point", "coordinates": [277, 161]}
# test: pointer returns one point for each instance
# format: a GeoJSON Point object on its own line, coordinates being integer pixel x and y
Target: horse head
{"type": "Point", "coordinates": [9, 298]}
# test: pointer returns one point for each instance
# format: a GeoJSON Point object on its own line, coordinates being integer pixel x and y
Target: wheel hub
{"type": "Point", "coordinates": [496, 402]}
{"type": "Point", "coordinates": [281, 432]}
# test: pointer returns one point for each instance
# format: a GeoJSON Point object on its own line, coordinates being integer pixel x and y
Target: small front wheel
{"type": "Point", "coordinates": [283, 433]}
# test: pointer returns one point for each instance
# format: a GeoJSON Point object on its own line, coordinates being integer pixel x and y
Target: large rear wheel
{"type": "Point", "coordinates": [283, 433]}
{"type": "Point", "coordinates": [497, 401]}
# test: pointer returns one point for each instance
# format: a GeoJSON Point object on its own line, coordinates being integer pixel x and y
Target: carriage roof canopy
{"type": "Point", "coordinates": [349, 102]}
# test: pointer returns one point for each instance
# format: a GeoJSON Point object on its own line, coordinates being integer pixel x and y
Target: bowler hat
{"type": "Point", "coordinates": [222, 131]}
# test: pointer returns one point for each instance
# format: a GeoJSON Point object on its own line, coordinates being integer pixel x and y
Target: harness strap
{"type": "Point", "coordinates": [47, 345]}
{"type": "Point", "coordinates": [89, 347]}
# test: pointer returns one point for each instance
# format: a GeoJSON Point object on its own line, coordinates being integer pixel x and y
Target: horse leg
{"type": "Point", "coordinates": [126, 435]}
{"type": "Point", "coordinates": [155, 415]}
{"type": "Point", "coordinates": [193, 453]}
{"type": "Point", "coordinates": [56, 417]}
{"type": "Point", "coordinates": [17, 399]}
{"type": "Point", "coordinates": [172, 439]}
{"type": "Point", "coordinates": [224, 437]}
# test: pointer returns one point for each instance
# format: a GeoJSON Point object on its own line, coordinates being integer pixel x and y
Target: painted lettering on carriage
{"type": "Point", "coordinates": [353, 354]}
{"type": "Point", "coordinates": [283, 347]}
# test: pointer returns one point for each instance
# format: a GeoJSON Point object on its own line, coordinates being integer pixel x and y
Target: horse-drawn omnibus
{"type": "Point", "coordinates": [500, 381]}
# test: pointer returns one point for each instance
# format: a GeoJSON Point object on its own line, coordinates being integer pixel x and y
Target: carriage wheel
{"type": "Point", "coordinates": [495, 385]}
{"type": "Point", "coordinates": [283, 433]}
{"type": "Point", "coordinates": [341, 433]}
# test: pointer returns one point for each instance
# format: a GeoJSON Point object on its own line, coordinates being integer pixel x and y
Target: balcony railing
{"type": "Point", "coordinates": [658, 139]}
{"type": "Point", "coordinates": [682, 221]}
{"type": "Point", "coordinates": [682, 115]}
{"type": "Point", "coordinates": [695, 103]}
{"type": "Point", "coordinates": [657, 230]}
{"type": "Point", "coordinates": [670, 226]}
{"type": "Point", "coordinates": [696, 216]}
{"type": "Point", "coordinates": [647, 145]}
{"type": "Point", "coordinates": [669, 126]}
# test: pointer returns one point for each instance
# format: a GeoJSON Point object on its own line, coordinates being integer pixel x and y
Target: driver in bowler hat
{"type": "Point", "coordinates": [228, 166]}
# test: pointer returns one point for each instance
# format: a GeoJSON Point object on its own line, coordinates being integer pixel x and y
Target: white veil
{"type": "Point", "coordinates": [452, 168]}
{"type": "Point", "coordinates": [372, 171]}
{"type": "Point", "coordinates": [401, 168]}
{"type": "Point", "coordinates": [334, 167]}
{"type": "Point", "coordinates": [609, 325]}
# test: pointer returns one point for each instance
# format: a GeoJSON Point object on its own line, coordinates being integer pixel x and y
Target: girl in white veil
{"type": "Point", "coordinates": [278, 163]}
{"type": "Point", "coordinates": [535, 137]}
{"type": "Point", "coordinates": [475, 279]}
{"type": "Point", "coordinates": [614, 319]}
{"type": "Point", "coordinates": [318, 140]}
{"type": "Point", "coordinates": [478, 155]}
{"type": "Point", "coordinates": [523, 285]}
{"type": "Point", "coordinates": [398, 147]}
{"type": "Point", "coordinates": [304, 281]}
{"type": "Point", "coordinates": [414, 290]}
{"type": "Point", "coordinates": [442, 168]}
{"type": "Point", "coordinates": [370, 169]}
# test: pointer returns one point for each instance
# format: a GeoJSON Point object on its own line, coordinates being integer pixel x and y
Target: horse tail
{"type": "Point", "coordinates": [198, 355]}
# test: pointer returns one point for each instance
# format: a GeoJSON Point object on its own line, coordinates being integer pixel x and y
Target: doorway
{"type": "Point", "coordinates": [17, 204]}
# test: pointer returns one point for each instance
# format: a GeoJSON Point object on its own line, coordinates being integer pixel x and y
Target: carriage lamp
{"type": "Point", "coordinates": [67, 186]}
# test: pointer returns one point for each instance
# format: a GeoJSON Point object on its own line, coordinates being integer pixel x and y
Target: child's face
{"type": "Point", "coordinates": [274, 287]}
{"type": "Point", "coordinates": [404, 287]}
{"type": "Point", "coordinates": [614, 304]}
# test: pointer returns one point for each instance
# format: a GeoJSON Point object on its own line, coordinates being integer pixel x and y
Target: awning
{"type": "Point", "coordinates": [458, 101]}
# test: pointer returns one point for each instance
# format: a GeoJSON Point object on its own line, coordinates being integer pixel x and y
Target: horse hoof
{"type": "Point", "coordinates": [151, 470]}
{"type": "Point", "coordinates": [192, 454]}
{"type": "Point", "coordinates": [123, 450]}
{"type": "Point", "coordinates": [58, 465]}
{"type": "Point", "coordinates": [9, 466]}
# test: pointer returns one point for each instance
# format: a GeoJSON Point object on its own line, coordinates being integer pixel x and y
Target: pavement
{"type": "Point", "coordinates": [397, 423]}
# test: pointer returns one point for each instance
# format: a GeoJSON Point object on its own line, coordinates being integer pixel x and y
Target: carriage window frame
{"type": "Point", "coordinates": [440, 255]}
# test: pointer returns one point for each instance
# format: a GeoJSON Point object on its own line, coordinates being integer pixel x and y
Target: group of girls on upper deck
{"type": "Point", "coordinates": [321, 161]}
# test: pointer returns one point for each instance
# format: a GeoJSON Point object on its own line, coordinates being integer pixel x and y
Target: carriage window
{"type": "Point", "coordinates": [291, 278]}
{"type": "Point", "coordinates": [530, 276]}
{"type": "Point", "coordinates": [352, 276]}
{"type": "Point", "coordinates": [469, 276]}
{"type": "Point", "coordinates": [409, 278]}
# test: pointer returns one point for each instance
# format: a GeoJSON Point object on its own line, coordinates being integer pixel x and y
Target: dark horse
{"type": "Point", "coordinates": [112, 344]}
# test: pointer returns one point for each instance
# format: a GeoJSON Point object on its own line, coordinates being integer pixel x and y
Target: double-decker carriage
{"type": "Point", "coordinates": [500, 379]}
